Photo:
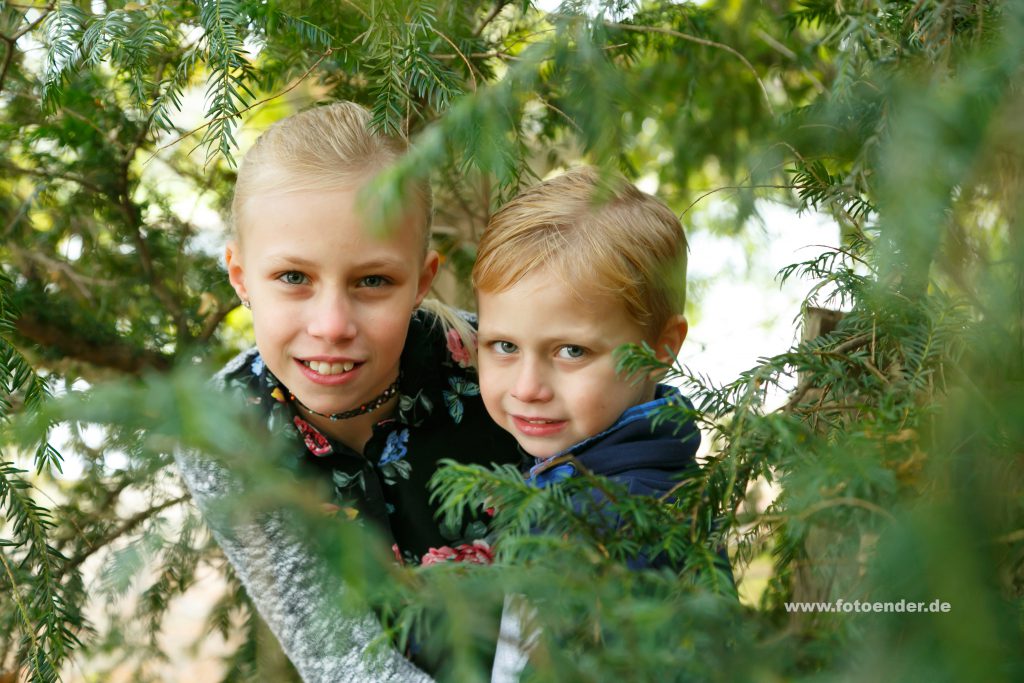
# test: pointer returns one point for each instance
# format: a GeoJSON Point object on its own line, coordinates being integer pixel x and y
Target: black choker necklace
{"type": "Point", "coordinates": [385, 396]}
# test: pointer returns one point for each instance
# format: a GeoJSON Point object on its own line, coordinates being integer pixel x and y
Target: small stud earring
{"type": "Point", "coordinates": [245, 302]}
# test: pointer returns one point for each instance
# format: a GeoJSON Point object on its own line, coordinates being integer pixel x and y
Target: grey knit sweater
{"type": "Point", "coordinates": [292, 588]}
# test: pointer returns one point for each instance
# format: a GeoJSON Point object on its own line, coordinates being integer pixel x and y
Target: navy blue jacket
{"type": "Point", "coordinates": [649, 460]}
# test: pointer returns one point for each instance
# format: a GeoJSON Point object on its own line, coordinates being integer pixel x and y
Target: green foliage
{"type": "Point", "coordinates": [896, 454]}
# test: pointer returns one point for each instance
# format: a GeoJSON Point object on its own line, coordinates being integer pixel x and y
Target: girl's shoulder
{"type": "Point", "coordinates": [244, 372]}
{"type": "Point", "coordinates": [233, 366]}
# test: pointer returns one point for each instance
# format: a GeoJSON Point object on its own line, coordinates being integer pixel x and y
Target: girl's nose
{"type": "Point", "coordinates": [531, 384]}
{"type": "Point", "coordinates": [332, 318]}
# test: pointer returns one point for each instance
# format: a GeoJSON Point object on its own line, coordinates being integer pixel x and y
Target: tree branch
{"type": "Point", "coordinates": [805, 386]}
{"type": "Point", "coordinates": [328, 52]}
{"type": "Point", "coordinates": [699, 41]}
{"type": "Point", "coordinates": [125, 527]}
{"type": "Point", "coordinates": [123, 357]}
{"type": "Point", "coordinates": [77, 280]}
{"type": "Point", "coordinates": [735, 187]}
{"type": "Point", "coordinates": [50, 173]}
{"type": "Point", "coordinates": [455, 47]}
{"type": "Point", "coordinates": [491, 16]}
{"type": "Point", "coordinates": [13, 40]}
{"type": "Point", "coordinates": [213, 321]}
{"type": "Point", "coordinates": [8, 58]}
{"type": "Point", "coordinates": [134, 224]}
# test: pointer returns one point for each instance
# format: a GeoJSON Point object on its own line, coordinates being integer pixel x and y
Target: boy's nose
{"type": "Point", "coordinates": [531, 384]}
{"type": "Point", "coordinates": [332, 318]}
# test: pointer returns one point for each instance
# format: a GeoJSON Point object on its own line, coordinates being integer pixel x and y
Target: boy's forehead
{"type": "Point", "coordinates": [549, 280]}
{"type": "Point", "coordinates": [542, 294]}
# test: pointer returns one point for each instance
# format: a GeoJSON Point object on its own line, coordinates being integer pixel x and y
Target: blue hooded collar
{"type": "Point", "coordinates": [647, 456]}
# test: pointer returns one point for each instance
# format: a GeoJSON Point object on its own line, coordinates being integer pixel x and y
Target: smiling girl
{"type": "Point", "coordinates": [371, 382]}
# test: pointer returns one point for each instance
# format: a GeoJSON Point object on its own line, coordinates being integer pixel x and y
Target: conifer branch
{"type": "Point", "coordinates": [49, 173]}
{"type": "Point", "coordinates": [213, 320]}
{"type": "Point", "coordinates": [78, 281]}
{"type": "Point", "coordinates": [568, 119]}
{"type": "Point", "coordinates": [108, 354]}
{"type": "Point", "coordinates": [491, 16]}
{"type": "Point", "coordinates": [328, 52]}
{"type": "Point", "coordinates": [700, 41]}
{"type": "Point", "coordinates": [708, 193]}
{"type": "Point", "coordinates": [8, 59]}
{"type": "Point", "coordinates": [133, 222]}
{"type": "Point", "coordinates": [455, 47]}
{"type": "Point", "coordinates": [121, 530]}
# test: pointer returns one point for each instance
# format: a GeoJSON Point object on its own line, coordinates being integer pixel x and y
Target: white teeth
{"type": "Point", "coordinates": [323, 368]}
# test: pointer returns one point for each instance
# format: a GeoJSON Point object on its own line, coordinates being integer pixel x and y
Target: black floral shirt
{"type": "Point", "coordinates": [440, 415]}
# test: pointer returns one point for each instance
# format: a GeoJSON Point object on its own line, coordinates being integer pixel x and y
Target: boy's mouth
{"type": "Point", "coordinates": [325, 368]}
{"type": "Point", "coordinates": [537, 426]}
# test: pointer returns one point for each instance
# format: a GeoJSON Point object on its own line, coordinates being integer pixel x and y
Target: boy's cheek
{"type": "Point", "coordinates": [491, 398]}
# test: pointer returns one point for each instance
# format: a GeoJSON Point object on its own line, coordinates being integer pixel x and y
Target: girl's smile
{"type": "Point", "coordinates": [329, 372]}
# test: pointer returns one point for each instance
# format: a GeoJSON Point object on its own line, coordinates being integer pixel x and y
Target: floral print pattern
{"type": "Point", "coordinates": [477, 552]}
{"type": "Point", "coordinates": [457, 349]}
{"type": "Point", "coordinates": [392, 461]}
{"type": "Point", "coordinates": [460, 387]}
{"type": "Point", "coordinates": [316, 442]}
{"type": "Point", "coordinates": [396, 447]}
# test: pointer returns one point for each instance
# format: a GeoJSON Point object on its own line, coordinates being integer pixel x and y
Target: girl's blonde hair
{"type": "Point", "coordinates": [323, 149]}
{"type": "Point", "coordinates": [599, 235]}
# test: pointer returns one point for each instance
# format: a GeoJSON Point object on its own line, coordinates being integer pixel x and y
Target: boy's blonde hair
{"type": "Point", "coordinates": [599, 235]}
{"type": "Point", "coordinates": [323, 148]}
{"type": "Point", "coordinates": [328, 148]}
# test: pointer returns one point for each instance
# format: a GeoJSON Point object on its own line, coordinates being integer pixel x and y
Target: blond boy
{"type": "Point", "coordinates": [567, 272]}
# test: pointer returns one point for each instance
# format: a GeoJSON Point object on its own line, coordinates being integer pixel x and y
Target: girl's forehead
{"type": "Point", "coordinates": [325, 226]}
{"type": "Point", "coordinates": [336, 210]}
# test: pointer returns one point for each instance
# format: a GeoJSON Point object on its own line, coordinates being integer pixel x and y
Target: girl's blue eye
{"type": "Point", "coordinates": [504, 348]}
{"type": "Point", "coordinates": [571, 352]}
{"type": "Point", "coordinates": [293, 277]}
{"type": "Point", "coordinates": [373, 281]}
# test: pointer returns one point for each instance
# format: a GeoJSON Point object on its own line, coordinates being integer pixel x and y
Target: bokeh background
{"type": "Point", "coordinates": [849, 174]}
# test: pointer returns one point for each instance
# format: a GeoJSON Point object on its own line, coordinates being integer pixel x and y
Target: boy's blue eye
{"type": "Point", "coordinates": [571, 352]}
{"type": "Point", "coordinates": [293, 277]}
{"type": "Point", "coordinates": [504, 347]}
{"type": "Point", "coordinates": [373, 281]}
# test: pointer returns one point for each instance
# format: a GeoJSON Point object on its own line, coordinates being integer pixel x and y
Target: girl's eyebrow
{"type": "Point", "coordinates": [291, 260]}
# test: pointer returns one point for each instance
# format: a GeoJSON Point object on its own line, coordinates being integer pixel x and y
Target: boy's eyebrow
{"type": "Point", "coordinates": [492, 333]}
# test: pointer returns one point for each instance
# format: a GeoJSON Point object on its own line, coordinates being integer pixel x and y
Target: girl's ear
{"type": "Point", "coordinates": [670, 339]}
{"type": "Point", "coordinates": [427, 273]}
{"type": "Point", "coordinates": [236, 273]}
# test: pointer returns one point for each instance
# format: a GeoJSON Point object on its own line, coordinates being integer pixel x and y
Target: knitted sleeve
{"type": "Point", "coordinates": [292, 589]}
